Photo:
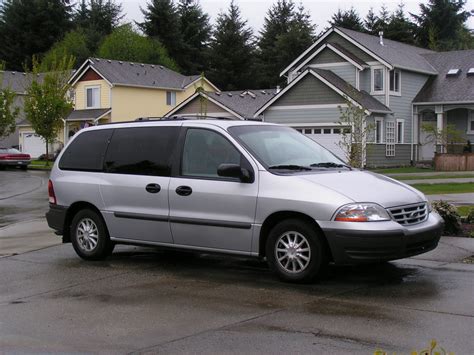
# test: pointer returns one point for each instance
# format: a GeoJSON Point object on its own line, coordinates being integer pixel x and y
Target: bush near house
{"type": "Point", "coordinates": [450, 215]}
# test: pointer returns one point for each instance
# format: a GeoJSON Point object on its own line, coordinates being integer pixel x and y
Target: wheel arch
{"type": "Point", "coordinates": [276, 217]}
{"type": "Point", "coordinates": [71, 212]}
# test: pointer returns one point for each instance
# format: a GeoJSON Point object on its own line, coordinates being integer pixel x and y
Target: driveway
{"type": "Point", "coordinates": [143, 300]}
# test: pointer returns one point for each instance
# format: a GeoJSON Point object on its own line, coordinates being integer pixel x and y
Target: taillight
{"type": "Point", "coordinates": [52, 196]}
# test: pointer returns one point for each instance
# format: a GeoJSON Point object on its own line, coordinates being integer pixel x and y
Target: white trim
{"type": "Point", "coordinates": [78, 71]}
{"type": "Point", "coordinates": [357, 79]}
{"type": "Point", "coordinates": [402, 140]}
{"type": "Point", "coordinates": [302, 107]}
{"type": "Point", "coordinates": [87, 87]}
{"type": "Point", "coordinates": [470, 121]}
{"type": "Point", "coordinates": [372, 80]}
{"type": "Point", "coordinates": [310, 48]}
{"type": "Point", "coordinates": [335, 50]}
{"type": "Point", "coordinates": [331, 65]}
{"type": "Point", "coordinates": [399, 92]}
{"type": "Point", "coordinates": [85, 70]}
{"type": "Point", "coordinates": [444, 103]}
{"type": "Point", "coordinates": [206, 80]}
{"type": "Point", "coordinates": [309, 125]}
{"type": "Point", "coordinates": [188, 100]}
{"type": "Point", "coordinates": [378, 119]}
{"type": "Point", "coordinates": [294, 82]}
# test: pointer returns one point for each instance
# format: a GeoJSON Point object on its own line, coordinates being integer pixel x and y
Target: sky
{"type": "Point", "coordinates": [254, 10]}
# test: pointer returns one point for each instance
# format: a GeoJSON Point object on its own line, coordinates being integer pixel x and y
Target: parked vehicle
{"type": "Point", "coordinates": [13, 157]}
{"type": "Point", "coordinates": [237, 187]}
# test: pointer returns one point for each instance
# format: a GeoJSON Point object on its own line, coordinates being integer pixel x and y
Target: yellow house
{"type": "Point", "coordinates": [106, 91]}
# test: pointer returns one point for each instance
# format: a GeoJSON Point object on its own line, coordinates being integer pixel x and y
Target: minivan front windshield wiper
{"type": "Point", "coordinates": [330, 165]}
{"type": "Point", "coordinates": [290, 167]}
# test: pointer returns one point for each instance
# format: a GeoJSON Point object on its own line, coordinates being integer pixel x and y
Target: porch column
{"type": "Point", "coordinates": [439, 123]}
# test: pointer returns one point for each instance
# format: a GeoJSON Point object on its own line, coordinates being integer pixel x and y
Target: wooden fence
{"type": "Point", "coordinates": [454, 162]}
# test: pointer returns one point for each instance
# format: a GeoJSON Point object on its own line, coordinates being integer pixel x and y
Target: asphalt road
{"type": "Point", "coordinates": [148, 301]}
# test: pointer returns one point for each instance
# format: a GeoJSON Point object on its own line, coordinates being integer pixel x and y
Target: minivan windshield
{"type": "Point", "coordinates": [283, 148]}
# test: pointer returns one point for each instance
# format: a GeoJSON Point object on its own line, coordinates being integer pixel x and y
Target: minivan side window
{"type": "Point", "coordinates": [141, 151]}
{"type": "Point", "coordinates": [86, 151]}
{"type": "Point", "coordinates": [204, 151]}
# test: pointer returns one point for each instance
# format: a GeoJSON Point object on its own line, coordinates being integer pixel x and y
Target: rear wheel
{"type": "Point", "coordinates": [23, 167]}
{"type": "Point", "coordinates": [295, 251]}
{"type": "Point", "coordinates": [89, 236]}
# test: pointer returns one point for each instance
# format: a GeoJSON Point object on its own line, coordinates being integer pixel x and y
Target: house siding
{"type": "Point", "coordinates": [376, 155]}
{"type": "Point", "coordinates": [411, 84]}
{"type": "Point", "coordinates": [327, 56]}
{"type": "Point", "coordinates": [309, 116]}
{"type": "Point", "coordinates": [194, 107]}
{"type": "Point", "coordinates": [80, 93]}
{"type": "Point", "coordinates": [309, 91]}
{"type": "Point", "coordinates": [346, 72]}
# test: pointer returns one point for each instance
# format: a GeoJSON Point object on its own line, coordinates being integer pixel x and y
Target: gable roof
{"type": "Point", "coordinates": [392, 53]}
{"type": "Point", "coordinates": [121, 73]}
{"type": "Point", "coordinates": [242, 103]}
{"type": "Point", "coordinates": [398, 54]}
{"type": "Point", "coordinates": [359, 97]}
{"type": "Point", "coordinates": [458, 88]}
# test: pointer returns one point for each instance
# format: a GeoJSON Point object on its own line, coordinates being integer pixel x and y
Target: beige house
{"type": "Point", "coordinates": [106, 91]}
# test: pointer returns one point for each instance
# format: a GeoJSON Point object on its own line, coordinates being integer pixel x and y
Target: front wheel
{"type": "Point", "coordinates": [295, 251]}
{"type": "Point", "coordinates": [89, 236]}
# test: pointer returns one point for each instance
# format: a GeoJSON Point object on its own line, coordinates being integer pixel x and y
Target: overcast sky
{"type": "Point", "coordinates": [255, 10]}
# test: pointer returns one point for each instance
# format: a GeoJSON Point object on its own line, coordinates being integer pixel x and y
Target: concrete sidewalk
{"type": "Point", "coordinates": [457, 199]}
{"type": "Point", "coordinates": [438, 181]}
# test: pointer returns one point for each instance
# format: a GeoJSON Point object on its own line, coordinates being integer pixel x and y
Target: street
{"type": "Point", "coordinates": [143, 300]}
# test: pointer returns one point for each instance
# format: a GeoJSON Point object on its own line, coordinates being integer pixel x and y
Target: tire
{"type": "Point", "coordinates": [296, 265]}
{"type": "Point", "coordinates": [90, 246]}
{"type": "Point", "coordinates": [23, 167]}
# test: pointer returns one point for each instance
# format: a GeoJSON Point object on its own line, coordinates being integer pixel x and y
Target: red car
{"type": "Point", "coordinates": [13, 157]}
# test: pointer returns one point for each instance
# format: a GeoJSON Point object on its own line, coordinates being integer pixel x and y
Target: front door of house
{"type": "Point", "coordinates": [427, 142]}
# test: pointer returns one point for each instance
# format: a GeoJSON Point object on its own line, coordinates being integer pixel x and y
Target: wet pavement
{"type": "Point", "coordinates": [142, 300]}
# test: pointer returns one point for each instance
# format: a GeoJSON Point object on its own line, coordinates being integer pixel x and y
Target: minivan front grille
{"type": "Point", "coordinates": [410, 214]}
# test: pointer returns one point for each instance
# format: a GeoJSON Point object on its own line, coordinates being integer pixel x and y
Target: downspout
{"type": "Point", "coordinates": [412, 149]}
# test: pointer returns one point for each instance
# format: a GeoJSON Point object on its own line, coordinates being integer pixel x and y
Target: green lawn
{"type": "Point", "coordinates": [40, 165]}
{"type": "Point", "coordinates": [430, 177]}
{"type": "Point", "coordinates": [464, 210]}
{"type": "Point", "coordinates": [452, 188]}
{"type": "Point", "coordinates": [408, 169]}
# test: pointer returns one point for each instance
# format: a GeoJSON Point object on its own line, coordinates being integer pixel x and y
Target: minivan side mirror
{"type": "Point", "coordinates": [234, 171]}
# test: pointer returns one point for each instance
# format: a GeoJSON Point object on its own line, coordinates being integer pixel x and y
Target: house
{"type": "Point", "coordinates": [104, 91]}
{"type": "Point", "coordinates": [400, 87]}
{"type": "Point", "coordinates": [238, 105]}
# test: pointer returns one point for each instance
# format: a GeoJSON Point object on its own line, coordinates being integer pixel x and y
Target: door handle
{"type": "Point", "coordinates": [153, 188]}
{"type": "Point", "coordinates": [184, 190]}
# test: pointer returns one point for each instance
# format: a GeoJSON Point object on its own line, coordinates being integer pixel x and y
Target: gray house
{"type": "Point", "coordinates": [401, 87]}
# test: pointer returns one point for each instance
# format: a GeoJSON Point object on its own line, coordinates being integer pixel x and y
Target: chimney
{"type": "Point", "coordinates": [278, 89]}
{"type": "Point", "coordinates": [381, 37]}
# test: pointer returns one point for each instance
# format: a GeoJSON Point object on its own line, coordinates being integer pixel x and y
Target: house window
{"type": "Point", "coordinates": [394, 81]}
{"type": "Point", "coordinates": [92, 96]}
{"type": "Point", "coordinates": [377, 80]}
{"type": "Point", "coordinates": [378, 130]}
{"type": "Point", "coordinates": [400, 131]}
{"type": "Point", "coordinates": [470, 122]}
{"type": "Point", "coordinates": [171, 98]}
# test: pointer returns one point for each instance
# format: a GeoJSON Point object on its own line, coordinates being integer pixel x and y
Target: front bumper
{"type": "Point", "coordinates": [15, 162]}
{"type": "Point", "coordinates": [355, 242]}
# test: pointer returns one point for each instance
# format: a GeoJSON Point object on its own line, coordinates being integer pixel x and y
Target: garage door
{"type": "Point", "coordinates": [328, 137]}
{"type": "Point", "coordinates": [33, 145]}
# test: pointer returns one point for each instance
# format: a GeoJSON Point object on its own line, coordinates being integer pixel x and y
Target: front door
{"type": "Point", "coordinates": [207, 210]}
{"type": "Point", "coordinates": [427, 144]}
{"type": "Point", "coordinates": [137, 178]}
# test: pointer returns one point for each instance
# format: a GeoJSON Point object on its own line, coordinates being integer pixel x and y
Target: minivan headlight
{"type": "Point", "coordinates": [362, 212]}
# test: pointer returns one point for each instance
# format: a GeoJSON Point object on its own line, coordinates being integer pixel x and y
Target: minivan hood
{"type": "Point", "coordinates": [363, 186]}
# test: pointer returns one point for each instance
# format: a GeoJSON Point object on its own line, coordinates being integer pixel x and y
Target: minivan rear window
{"type": "Point", "coordinates": [141, 150]}
{"type": "Point", "coordinates": [86, 152]}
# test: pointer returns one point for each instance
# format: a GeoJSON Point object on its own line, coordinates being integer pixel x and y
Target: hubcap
{"type": "Point", "coordinates": [87, 234]}
{"type": "Point", "coordinates": [292, 251]}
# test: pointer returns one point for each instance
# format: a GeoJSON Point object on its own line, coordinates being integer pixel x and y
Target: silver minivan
{"type": "Point", "coordinates": [236, 187]}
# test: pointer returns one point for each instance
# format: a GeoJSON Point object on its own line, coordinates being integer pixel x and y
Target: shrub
{"type": "Point", "coordinates": [450, 215]}
{"type": "Point", "coordinates": [470, 216]}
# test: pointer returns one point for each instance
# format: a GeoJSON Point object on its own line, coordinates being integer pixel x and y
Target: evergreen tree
{"type": "Point", "coordinates": [162, 22]}
{"type": "Point", "coordinates": [124, 43]}
{"type": "Point", "coordinates": [97, 19]}
{"type": "Point", "coordinates": [30, 28]}
{"type": "Point", "coordinates": [349, 19]}
{"type": "Point", "coordinates": [440, 24]}
{"type": "Point", "coordinates": [400, 28]}
{"type": "Point", "coordinates": [286, 33]}
{"type": "Point", "coordinates": [371, 22]}
{"type": "Point", "coordinates": [232, 51]}
{"type": "Point", "coordinates": [196, 34]}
